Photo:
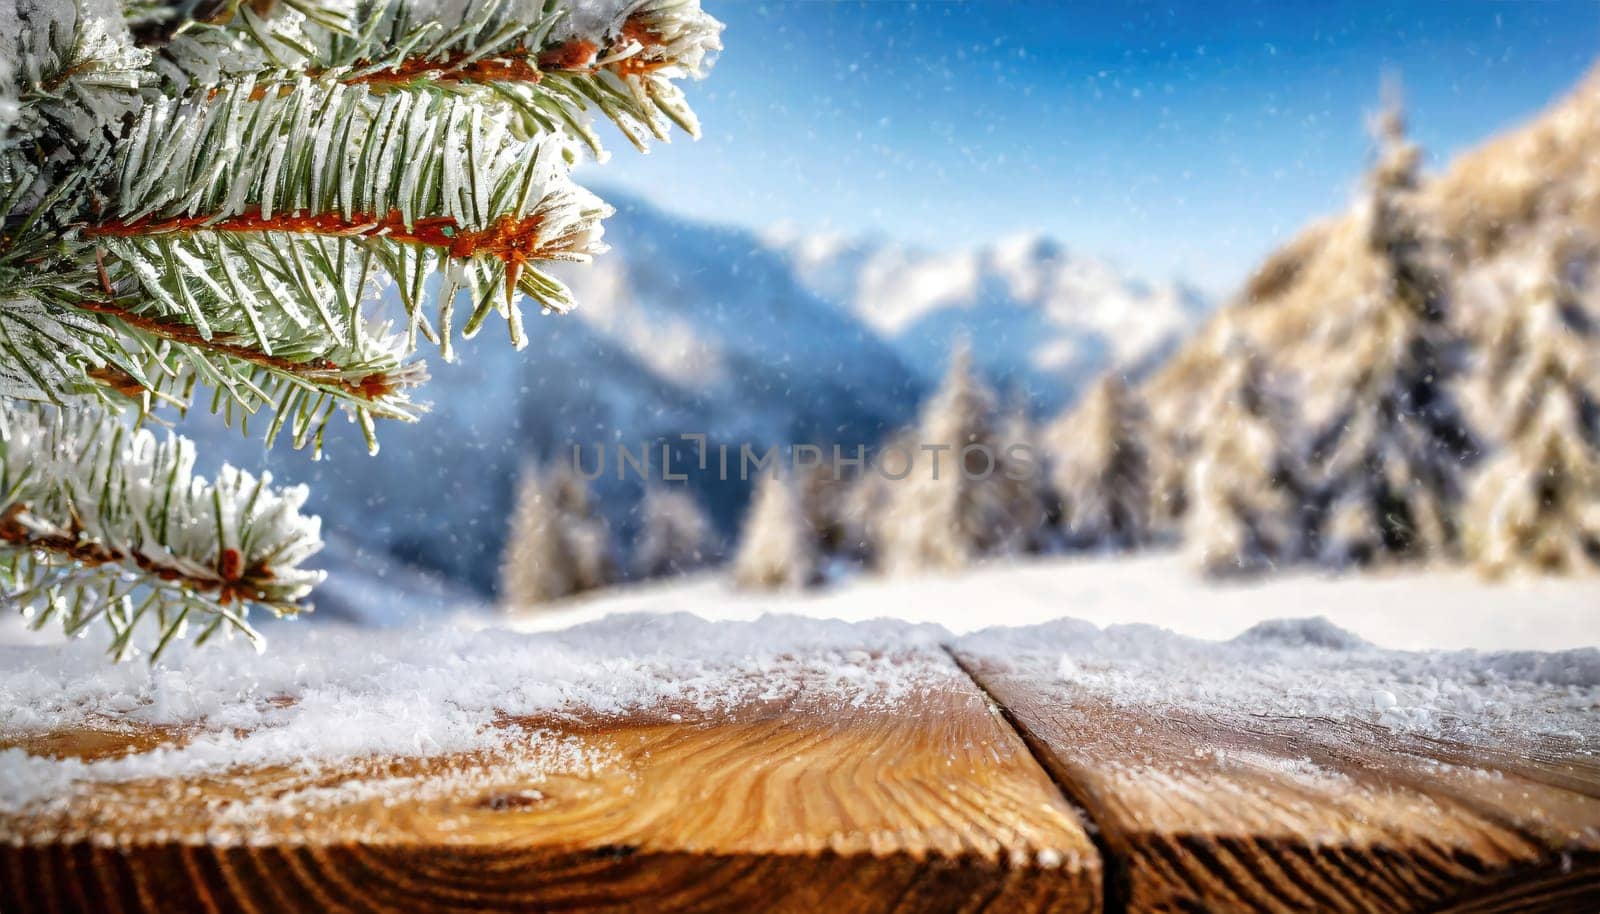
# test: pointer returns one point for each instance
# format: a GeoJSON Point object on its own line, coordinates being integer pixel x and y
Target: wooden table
{"type": "Point", "coordinates": [989, 788]}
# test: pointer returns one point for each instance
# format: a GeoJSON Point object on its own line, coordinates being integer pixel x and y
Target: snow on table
{"type": "Point", "coordinates": [797, 764]}
{"type": "Point", "coordinates": [1297, 767]}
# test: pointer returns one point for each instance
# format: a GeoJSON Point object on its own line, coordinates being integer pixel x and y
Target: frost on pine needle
{"type": "Point", "coordinates": [342, 177]}
{"type": "Point", "coordinates": [69, 67]}
{"type": "Point", "coordinates": [107, 525]}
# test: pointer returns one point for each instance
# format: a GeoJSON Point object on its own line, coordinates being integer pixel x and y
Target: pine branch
{"type": "Point", "coordinates": [73, 74]}
{"type": "Point", "coordinates": [45, 357]}
{"type": "Point", "coordinates": [102, 523]}
{"type": "Point", "coordinates": [301, 395]}
{"type": "Point", "coordinates": [549, 63]}
{"type": "Point", "coordinates": [107, 351]}
{"type": "Point", "coordinates": [202, 42]}
{"type": "Point", "coordinates": [50, 351]}
{"type": "Point", "coordinates": [65, 332]}
{"type": "Point", "coordinates": [295, 198]}
{"type": "Point", "coordinates": [209, 201]}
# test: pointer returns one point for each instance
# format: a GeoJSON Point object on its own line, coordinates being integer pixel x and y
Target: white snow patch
{"type": "Point", "coordinates": [1032, 311]}
{"type": "Point", "coordinates": [1307, 668]}
{"type": "Point", "coordinates": [325, 695]}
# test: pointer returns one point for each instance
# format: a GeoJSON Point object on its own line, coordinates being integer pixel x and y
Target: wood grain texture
{"type": "Point", "coordinates": [931, 803]}
{"type": "Point", "coordinates": [1239, 812]}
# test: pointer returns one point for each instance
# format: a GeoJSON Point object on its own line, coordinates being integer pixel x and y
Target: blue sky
{"type": "Point", "coordinates": [1178, 140]}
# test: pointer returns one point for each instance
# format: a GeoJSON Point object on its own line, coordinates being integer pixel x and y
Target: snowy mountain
{"type": "Point", "coordinates": [1434, 352]}
{"type": "Point", "coordinates": [1498, 211]}
{"type": "Point", "coordinates": [1042, 321]}
{"type": "Point", "coordinates": [682, 328]}
{"type": "Point", "coordinates": [685, 327]}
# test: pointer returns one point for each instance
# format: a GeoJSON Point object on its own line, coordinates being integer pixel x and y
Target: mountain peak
{"type": "Point", "coordinates": [1041, 320]}
{"type": "Point", "coordinates": [1029, 247]}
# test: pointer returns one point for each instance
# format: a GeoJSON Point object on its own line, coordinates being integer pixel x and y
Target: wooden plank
{"type": "Point", "coordinates": [929, 802]}
{"type": "Point", "coordinates": [1227, 811]}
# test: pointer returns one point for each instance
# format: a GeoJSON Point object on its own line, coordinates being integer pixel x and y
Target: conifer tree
{"type": "Point", "coordinates": [1035, 510]}
{"type": "Point", "coordinates": [1393, 455]}
{"type": "Point", "coordinates": [836, 509]}
{"type": "Point", "coordinates": [1171, 457]}
{"type": "Point", "coordinates": [864, 504]}
{"type": "Point", "coordinates": [199, 200]}
{"type": "Point", "coordinates": [555, 545]}
{"type": "Point", "coordinates": [1099, 459]}
{"type": "Point", "coordinates": [1246, 482]}
{"type": "Point", "coordinates": [536, 565]}
{"type": "Point", "coordinates": [675, 535]}
{"type": "Point", "coordinates": [964, 496]}
{"type": "Point", "coordinates": [1537, 503]}
{"type": "Point", "coordinates": [777, 548]}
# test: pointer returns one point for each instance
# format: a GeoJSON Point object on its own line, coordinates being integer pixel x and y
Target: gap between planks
{"type": "Point", "coordinates": [1113, 898]}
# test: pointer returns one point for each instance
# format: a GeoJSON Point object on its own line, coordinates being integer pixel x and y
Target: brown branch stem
{"type": "Point", "coordinates": [230, 582]}
{"type": "Point", "coordinates": [314, 371]}
{"type": "Point", "coordinates": [508, 238]}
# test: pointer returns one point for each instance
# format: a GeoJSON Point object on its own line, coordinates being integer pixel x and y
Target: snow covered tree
{"type": "Point", "coordinates": [1171, 455]}
{"type": "Point", "coordinates": [1537, 503]}
{"type": "Point", "coordinates": [828, 495]}
{"type": "Point", "coordinates": [965, 494]}
{"type": "Point", "coordinates": [1393, 455]}
{"type": "Point", "coordinates": [555, 545]}
{"type": "Point", "coordinates": [777, 548]}
{"type": "Point", "coordinates": [675, 535]}
{"type": "Point", "coordinates": [1247, 510]}
{"type": "Point", "coordinates": [1099, 459]}
{"type": "Point", "coordinates": [199, 200]}
{"type": "Point", "coordinates": [535, 565]}
{"type": "Point", "coordinates": [1035, 507]}
{"type": "Point", "coordinates": [864, 504]}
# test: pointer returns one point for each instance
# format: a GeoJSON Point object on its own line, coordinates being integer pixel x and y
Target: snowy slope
{"type": "Point", "coordinates": [681, 327]}
{"type": "Point", "coordinates": [1039, 318]}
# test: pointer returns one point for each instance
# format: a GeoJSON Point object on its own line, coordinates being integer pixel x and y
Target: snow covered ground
{"type": "Point", "coordinates": [1409, 610]}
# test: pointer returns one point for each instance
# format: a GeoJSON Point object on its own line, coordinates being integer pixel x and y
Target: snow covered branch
{"type": "Point", "coordinates": [209, 193]}
{"type": "Point", "coordinates": [102, 523]}
{"type": "Point", "coordinates": [549, 62]}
